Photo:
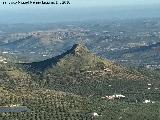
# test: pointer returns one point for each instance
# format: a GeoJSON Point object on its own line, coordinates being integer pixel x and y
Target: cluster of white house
{"type": "Point", "coordinates": [148, 101]}
{"type": "Point", "coordinates": [115, 96]}
{"type": "Point", "coordinates": [119, 96]}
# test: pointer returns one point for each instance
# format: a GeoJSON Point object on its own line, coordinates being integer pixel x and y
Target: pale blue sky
{"type": "Point", "coordinates": [113, 2]}
{"type": "Point", "coordinates": [88, 3]}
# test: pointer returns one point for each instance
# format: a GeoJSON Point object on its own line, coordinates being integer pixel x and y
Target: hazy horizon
{"type": "Point", "coordinates": [79, 11]}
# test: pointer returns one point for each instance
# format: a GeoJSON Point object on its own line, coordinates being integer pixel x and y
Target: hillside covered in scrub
{"type": "Point", "coordinates": [74, 85]}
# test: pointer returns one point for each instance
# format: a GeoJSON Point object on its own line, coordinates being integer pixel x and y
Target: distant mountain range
{"type": "Point", "coordinates": [40, 46]}
{"type": "Point", "coordinates": [140, 56]}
